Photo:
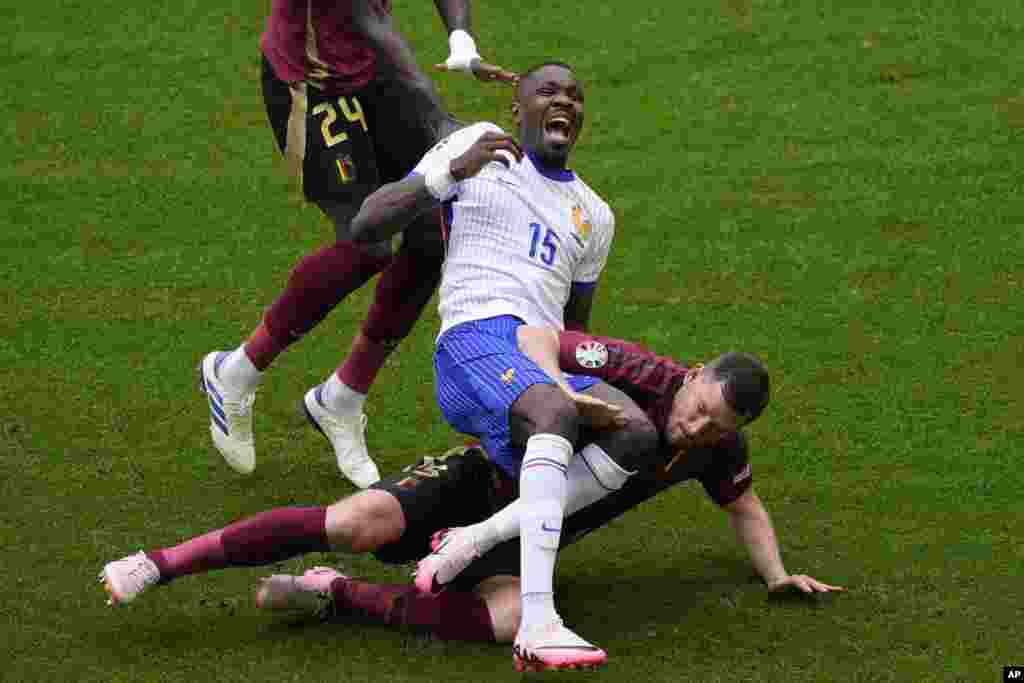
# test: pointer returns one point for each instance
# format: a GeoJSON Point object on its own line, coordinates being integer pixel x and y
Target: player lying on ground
{"type": "Point", "coordinates": [527, 241]}
{"type": "Point", "coordinates": [349, 109]}
{"type": "Point", "coordinates": [397, 516]}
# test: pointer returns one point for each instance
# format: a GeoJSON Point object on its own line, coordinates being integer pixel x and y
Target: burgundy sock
{"type": "Point", "coordinates": [262, 348]}
{"type": "Point", "coordinates": [316, 285]}
{"type": "Point", "coordinates": [262, 539]}
{"type": "Point", "coordinates": [450, 615]}
{"type": "Point", "coordinates": [364, 361]}
{"type": "Point", "coordinates": [402, 292]}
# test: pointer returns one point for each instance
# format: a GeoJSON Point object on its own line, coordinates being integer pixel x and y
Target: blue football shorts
{"type": "Point", "coordinates": [480, 372]}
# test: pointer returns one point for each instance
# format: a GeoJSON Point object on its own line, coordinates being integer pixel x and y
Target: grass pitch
{"type": "Point", "coordinates": [834, 186]}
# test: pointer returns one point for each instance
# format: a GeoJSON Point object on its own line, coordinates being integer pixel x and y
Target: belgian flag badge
{"type": "Point", "coordinates": [346, 169]}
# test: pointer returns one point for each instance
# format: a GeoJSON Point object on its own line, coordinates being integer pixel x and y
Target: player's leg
{"type": "Point", "coordinates": [482, 606]}
{"type": "Point", "coordinates": [487, 387]}
{"type": "Point", "coordinates": [405, 286]}
{"type": "Point", "coordinates": [486, 615]}
{"type": "Point", "coordinates": [460, 487]}
{"type": "Point", "coordinates": [599, 468]}
{"type": "Point", "coordinates": [487, 612]}
{"type": "Point", "coordinates": [360, 523]}
{"type": "Point", "coordinates": [326, 142]}
{"type": "Point", "coordinates": [436, 492]}
{"type": "Point", "coordinates": [403, 290]}
{"type": "Point", "coordinates": [549, 427]}
{"type": "Point", "coordinates": [479, 609]}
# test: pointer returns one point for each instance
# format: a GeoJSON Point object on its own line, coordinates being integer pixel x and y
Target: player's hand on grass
{"type": "Point", "coordinates": [597, 413]}
{"type": "Point", "coordinates": [803, 583]}
{"type": "Point", "coordinates": [489, 147]}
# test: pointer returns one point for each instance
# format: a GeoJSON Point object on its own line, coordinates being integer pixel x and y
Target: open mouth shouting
{"type": "Point", "coordinates": [560, 127]}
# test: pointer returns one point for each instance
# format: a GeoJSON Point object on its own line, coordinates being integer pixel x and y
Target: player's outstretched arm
{"type": "Point", "coordinates": [754, 530]}
{"type": "Point", "coordinates": [394, 206]}
{"type": "Point", "coordinates": [463, 55]}
{"type": "Point", "coordinates": [375, 25]}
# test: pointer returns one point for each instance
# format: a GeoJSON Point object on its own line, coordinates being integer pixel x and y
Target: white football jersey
{"type": "Point", "coordinates": [518, 238]}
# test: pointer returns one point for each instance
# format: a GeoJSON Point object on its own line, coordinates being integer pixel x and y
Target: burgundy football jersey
{"type": "Point", "coordinates": [314, 41]}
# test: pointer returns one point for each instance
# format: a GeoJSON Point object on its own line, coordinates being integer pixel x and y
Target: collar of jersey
{"type": "Point", "coordinates": [562, 175]}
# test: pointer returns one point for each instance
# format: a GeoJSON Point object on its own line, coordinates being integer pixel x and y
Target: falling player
{"type": "Point", "coordinates": [526, 243]}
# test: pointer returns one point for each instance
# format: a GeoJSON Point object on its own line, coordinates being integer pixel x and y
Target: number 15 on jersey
{"type": "Point", "coordinates": [543, 243]}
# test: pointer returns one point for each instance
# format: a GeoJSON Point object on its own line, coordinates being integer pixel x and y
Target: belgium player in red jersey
{"type": "Point", "coordinates": [350, 110]}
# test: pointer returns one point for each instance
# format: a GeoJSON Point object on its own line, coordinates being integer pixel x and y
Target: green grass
{"type": "Point", "coordinates": [834, 186]}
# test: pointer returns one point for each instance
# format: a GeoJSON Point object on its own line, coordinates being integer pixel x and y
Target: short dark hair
{"type": "Point", "coordinates": [747, 388]}
{"type": "Point", "coordinates": [537, 67]}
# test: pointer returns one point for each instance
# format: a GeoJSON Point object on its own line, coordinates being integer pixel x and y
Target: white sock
{"type": "Point", "coordinates": [341, 398]}
{"type": "Point", "coordinates": [542, 492]}
{"type": "Point", "coordinates": [592, 475]}
{"type": "Point", "coordinates": [239, 371]}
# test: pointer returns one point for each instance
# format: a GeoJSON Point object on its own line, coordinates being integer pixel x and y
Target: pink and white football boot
{"type": "Point", "coordinates": [552, 646]}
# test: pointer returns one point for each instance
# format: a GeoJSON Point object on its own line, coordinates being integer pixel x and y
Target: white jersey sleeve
{"type": "Point", "coordinates": [455, 145]}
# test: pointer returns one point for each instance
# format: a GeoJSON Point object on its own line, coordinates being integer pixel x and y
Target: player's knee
{"type": "Point", "coordinates": [640, 442]}
{"type": "Point", "coordinates": [562, 417]}
{"type": "Point", "coordinates": [364, 522]}
{"type": "Point", "coordinates": [634, 447]}
{"type": "Point", "coordinates": [545, 409]}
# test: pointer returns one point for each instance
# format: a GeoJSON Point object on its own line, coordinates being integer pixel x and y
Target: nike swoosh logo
{"type": "Point", "coordinates": [544, 527]}
{"type": "Point", "coordinates": [507, 182]}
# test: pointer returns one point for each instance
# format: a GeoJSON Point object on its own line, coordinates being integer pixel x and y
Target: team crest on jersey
{"type": "Point", "coordinates": [591, 354]}
{"type": "Point", "coordinates": [508, 376]}
{"type": "Point", "coordinates": [346, 169]}
{"type": "Point", "coordinates": [580, 221]}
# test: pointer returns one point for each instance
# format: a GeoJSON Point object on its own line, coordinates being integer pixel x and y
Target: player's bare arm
{"type": "Point", "coordinates": [541, 345]}
{"type": "Point", "coordinates": [463, 52]}
{"type": "Point", "coordinates": [393, 207]}
{"type": "Point", "coordinates": [753, 526]}
{"type": "Point", "coordinates": [395, 53]}
{"type": "Point", "coordinates": [578, 307]}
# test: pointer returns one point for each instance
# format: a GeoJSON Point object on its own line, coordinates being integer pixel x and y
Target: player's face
{"type": "Point", "coordinates": [700, 415]}
{"type": "Point", "coordinates": [549, 113]}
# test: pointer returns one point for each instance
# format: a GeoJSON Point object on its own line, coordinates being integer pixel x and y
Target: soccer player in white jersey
{"type": "Point", "coordinates": [527, 240]}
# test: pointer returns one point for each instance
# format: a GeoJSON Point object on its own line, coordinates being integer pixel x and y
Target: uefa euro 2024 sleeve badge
{"type": "Point", "coordinates": [591, 354]}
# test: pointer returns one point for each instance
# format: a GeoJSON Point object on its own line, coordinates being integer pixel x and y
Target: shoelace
{"type": "Point", "coordinates": [237, 411]}
{"type": "Point", "coordinates": [338, 423]}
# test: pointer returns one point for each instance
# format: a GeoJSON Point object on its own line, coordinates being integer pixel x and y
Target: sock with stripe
{"type": "Point", "coordinates": [542, 492]}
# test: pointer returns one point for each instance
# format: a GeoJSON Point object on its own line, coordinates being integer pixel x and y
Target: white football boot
{"type": "Point", "coordinates": [124, 579]}
{"type": "Point", "coordinates": [309, 593]}
{"type": "Point", "coordinates": [347, 435]}
{"type": "Point", "coordinates": [553, 646]}
{"type": "Point", "coordinates": [453, 551]}
{"type": "Point", "coordinates": [230, 415]}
